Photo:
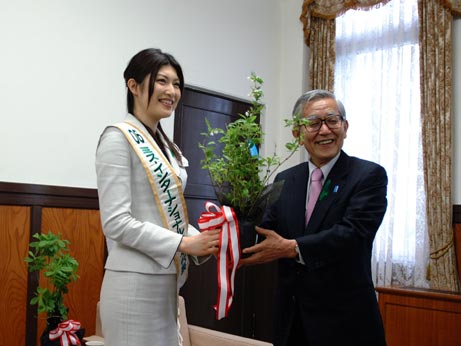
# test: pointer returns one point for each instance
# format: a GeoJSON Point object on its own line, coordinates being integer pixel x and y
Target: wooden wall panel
{"type": "Point", "coordinates": [418, 317]}
{"type": "Point", "coordinates": [415, 317]}
{"type": "Point", "coordinates": [14, 242]}
{"type": "Point", "coordinates": [82, 228]}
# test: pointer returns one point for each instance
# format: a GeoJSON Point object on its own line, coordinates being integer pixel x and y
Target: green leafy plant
{"type": "Point", "coordinates": [49, 254]}
{"type": "Point", "coordinates": [239, 174]}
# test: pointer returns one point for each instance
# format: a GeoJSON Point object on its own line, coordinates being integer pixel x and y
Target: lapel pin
{"type": "Point", "coordinates": [325, 189]}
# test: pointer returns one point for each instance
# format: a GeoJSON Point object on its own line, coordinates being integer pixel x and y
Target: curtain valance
{"type": "Point", "coordinates": [330, 9]}
{"type": "Point", "coordinates": [453, 5]}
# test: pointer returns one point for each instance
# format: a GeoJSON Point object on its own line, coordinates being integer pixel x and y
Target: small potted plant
{"type": "Point", "coordinates": [239, 174]}
{"type": "Point", "coordinates": [49, 255]}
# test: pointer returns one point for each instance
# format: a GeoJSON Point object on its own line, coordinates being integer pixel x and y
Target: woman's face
{"type": "Point", "coordinates": [165, 97]}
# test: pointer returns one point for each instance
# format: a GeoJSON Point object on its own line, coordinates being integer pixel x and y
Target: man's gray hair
{"type": "Point", "coordinates": [314, 95]}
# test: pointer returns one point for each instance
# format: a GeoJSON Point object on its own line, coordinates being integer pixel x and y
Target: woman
{"type": "Point", "coordinates": [141, 175]}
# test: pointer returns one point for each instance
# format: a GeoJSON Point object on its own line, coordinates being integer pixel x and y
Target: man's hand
{"type": "Point", "coordinates": [270, 249]}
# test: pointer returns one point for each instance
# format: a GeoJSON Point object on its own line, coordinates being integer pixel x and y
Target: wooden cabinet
{"type": "Point", "coordinates": [252, 309]}
{"type": "Point", "coordinates": [419, 317]}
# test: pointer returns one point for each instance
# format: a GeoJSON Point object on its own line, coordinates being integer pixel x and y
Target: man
{"type": "Point", "coordinates": [325, 294]}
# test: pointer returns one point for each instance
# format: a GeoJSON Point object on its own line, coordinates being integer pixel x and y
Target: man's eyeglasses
{"type": "Point", "coordinates": [314, 123]}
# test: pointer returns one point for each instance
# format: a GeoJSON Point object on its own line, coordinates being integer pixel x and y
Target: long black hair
{"type": "Point", "coordinates": [148, 62]}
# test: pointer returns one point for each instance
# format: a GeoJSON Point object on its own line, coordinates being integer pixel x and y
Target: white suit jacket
{"type": "Point", "coordinates": [130, 217]}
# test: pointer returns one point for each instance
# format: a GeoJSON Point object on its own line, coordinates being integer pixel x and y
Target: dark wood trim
{"type": "Point", "coordinates": [32, 278]}
{"type": "Point", "coordinates": [420, 292]}
{"type": "Point", "coordinates": [457, 214]}
{"type": "Point", "coordinates": [218, 94]}
{"type": "Point", "coordinates": [48, 196]}
{"type": "Point", "coordinates": [74, 197]}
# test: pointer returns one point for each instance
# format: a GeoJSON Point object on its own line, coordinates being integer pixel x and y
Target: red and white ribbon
{"type": "Point", "coordinates": [229, 252]}
{"type": "Point", "coordinates": [66, 333]}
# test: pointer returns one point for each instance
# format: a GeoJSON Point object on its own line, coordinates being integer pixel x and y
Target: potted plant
{"type": "Point", "coordinates": [239, 174]}
{"type": "Point", "coordinates": [49, 254]}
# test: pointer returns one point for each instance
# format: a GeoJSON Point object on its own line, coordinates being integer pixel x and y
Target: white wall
{"type": "Point", "coordinates": [62, 63]}
{"type": "Point", "coordinates": [293, 77]}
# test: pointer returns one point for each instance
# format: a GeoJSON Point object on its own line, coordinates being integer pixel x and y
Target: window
{"type": "Point", "coordinates": [377, 78]}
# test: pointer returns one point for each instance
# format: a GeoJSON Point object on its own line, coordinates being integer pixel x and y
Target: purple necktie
{"type": "Point", "coordinates": [316, 187]}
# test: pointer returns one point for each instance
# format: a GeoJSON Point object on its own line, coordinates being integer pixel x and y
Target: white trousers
{"type": "Point", "coordinates": [139, 309]}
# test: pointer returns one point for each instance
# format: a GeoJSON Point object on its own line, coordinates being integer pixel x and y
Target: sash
{"type": "Point", "coordinates": [228, 255]}
{"type": "Point", "coordinates": [166, 188]}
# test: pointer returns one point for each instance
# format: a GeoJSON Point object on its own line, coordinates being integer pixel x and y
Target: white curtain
{"type": "Point", "coordinates": [377, 78]}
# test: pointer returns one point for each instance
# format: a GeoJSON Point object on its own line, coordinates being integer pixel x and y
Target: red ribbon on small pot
{"type": "Point", "coordinates": [66, 333]}
{"type": "Point", "coordinates": [228, 254]}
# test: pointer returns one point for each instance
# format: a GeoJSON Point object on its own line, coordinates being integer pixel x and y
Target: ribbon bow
{"type": "Point", "coordinates": [66, 333]}
{"type": "Point", "coordinates": [228, 254]}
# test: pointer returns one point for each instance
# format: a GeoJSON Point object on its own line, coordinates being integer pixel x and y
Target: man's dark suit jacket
{"type": "Point", "coordinates": [333, 291]}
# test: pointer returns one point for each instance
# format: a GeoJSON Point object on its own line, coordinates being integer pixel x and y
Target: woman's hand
{"type": "Point", "coordinates": [202, 244]}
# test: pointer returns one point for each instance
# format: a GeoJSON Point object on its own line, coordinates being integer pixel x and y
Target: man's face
{"type": "Point", "coordinates": [324, 144]}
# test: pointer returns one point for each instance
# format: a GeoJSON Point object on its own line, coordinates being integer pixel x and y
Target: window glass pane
{"type": "Point", "coordinates": [377, 78]}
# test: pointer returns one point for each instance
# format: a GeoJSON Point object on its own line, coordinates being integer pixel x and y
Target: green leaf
{"type": "Point", "coordinates": [239, 179]}
{"type": "Point", "coordinates": [50, 255]}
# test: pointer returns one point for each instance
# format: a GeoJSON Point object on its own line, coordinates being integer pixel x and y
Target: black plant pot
{"type": "Point", "coordinates": [247, 232]}
{"type": "Point", "coordinates": [51, 324]}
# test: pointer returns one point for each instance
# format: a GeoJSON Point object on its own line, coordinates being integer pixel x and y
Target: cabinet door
{"type": "Point", "coordinates": [250, 311]}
